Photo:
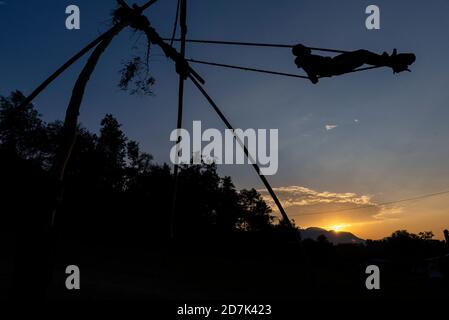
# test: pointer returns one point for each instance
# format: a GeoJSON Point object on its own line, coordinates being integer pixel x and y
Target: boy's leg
{"type": "Point", "coordinates": [349, 61]}
{"type": "Point", "coordinates": [372, 58]}
{"type": "Point", "coordinates": [312, 76]}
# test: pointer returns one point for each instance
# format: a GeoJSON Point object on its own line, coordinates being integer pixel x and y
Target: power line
{"type": "Point", "coordinates": [381, 204]}
{"type": "Point", "coordinates": [256, 44]}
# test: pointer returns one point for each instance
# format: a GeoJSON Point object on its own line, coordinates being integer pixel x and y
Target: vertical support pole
{"type": "Point", "coordinates": [183, 23]}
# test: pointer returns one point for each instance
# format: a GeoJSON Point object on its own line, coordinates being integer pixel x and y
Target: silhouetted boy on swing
{"type": "Point", "coordinates": [319, 66]}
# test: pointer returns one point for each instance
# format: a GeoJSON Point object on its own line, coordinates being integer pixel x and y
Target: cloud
{"type": "Point", "coordinates": [389, 213]}
{"type": "Point", "coordinates": [2, 3]}
{"type": "Point", "coordinates": [313, 204]}
{"type": "Point", "coordinates": [302, 196]}
{"type": "Point", "coordinates": [330, 126]}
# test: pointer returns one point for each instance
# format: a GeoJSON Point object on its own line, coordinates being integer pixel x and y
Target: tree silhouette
{"type": "Point", "coordinates": [21, 129]}
{"type": "Point", "coordinates": [229, 212]}
{"type": "Point", "coordinates": [112, 147]}
{"type": "Point", "coordinates": [256, 216]}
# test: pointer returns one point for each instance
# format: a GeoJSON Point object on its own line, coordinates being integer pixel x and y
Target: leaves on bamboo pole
{"type": "Point", "coordinates": [135, 77]}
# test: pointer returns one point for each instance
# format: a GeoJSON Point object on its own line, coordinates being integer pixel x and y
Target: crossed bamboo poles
{"type": "Point", "coordinates": [137, 20]}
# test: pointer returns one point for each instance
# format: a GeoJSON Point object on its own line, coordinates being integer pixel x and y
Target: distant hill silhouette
{"type": "Point", "coordinates": [331, 235]}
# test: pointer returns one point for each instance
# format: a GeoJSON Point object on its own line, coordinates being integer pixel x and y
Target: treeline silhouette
{"type": "Point", "coordinates": [113, 196]}
{"type": "Point", "coordinates": [114, 188]}
{"type": "Point", "coordinates": [116, 197]}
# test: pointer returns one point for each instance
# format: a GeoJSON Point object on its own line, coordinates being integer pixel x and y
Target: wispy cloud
{"type": "Point", "coordinates": [2, 3]}
{"type": "Point", "coordinates": [330, 126]}
{"type": "Point", "coordinates": [322, 204]}
{"type": "Point", "coordinates": [302, 196]}
{"type": "Point", "coordinates": [389, 213]}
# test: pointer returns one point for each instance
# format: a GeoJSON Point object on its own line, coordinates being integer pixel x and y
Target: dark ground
{"type": "Point", "coordinates": [195, 271]}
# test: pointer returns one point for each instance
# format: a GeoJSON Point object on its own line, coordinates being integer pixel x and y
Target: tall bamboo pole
{"type": "Point", "coordinates": [183, 22]}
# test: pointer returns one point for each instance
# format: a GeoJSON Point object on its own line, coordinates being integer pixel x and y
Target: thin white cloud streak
{"type": "Point", "coordinates": [325, 201]}
{"type": "Point", "coordinates": [302, 196]}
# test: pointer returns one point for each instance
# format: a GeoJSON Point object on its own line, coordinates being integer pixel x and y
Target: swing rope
{"type": "Point", "coordinates": [256, 44]}
{"type": "Point", "coordinates": [229, 66]}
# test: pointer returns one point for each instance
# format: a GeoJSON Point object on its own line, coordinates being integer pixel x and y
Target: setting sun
{"type": "Point", "coordinates": [338, 227]}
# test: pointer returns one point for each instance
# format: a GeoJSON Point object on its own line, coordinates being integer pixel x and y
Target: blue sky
{"type": "Point", "coordinates": [397, 148]}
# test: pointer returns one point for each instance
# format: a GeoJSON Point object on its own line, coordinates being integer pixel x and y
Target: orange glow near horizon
{"type": "Point", "coordinates": [338, 227]}
{"type": "Point", "coordinates": [362, 214]}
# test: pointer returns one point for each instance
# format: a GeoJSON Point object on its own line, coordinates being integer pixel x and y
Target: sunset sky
{"type": "Point", "coordinates": [356, 140]}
